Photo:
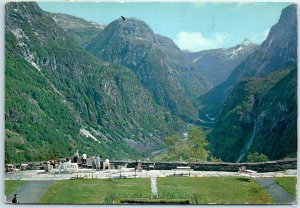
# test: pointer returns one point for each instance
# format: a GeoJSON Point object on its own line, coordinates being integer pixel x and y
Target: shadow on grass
{"type": "Point", "coordinates": [243, 179]}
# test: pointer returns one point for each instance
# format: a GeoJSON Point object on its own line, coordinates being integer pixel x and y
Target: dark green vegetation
{"type": "Point", "coordinates": [262, 110]}
{"type": "Point", "coordinates": [56, 92]}
{"type": "Point", "coordinates": [288, 183]}
{"type": "Point", "coordinates": [256, 157]}
{"type": "Point", "coordinates": [213, 190]}
{"type": "Point", "coordinates": [256, 106]}
{"type": "Point", "coordinates": [95, 191]}
{"type": "Point", "coordinates": [11, 186]}
{"type": "Point", "coordinates": [193, 148]}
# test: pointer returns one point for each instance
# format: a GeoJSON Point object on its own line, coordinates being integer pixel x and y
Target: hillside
{"type": "Point", "coordinates": [172, 82]}
{"type": "Point", "coordinates": [59, 98]}
{"type": "Point", "coordinates": [277, 52]}
{"type": "Point", "coordinates": [82, 30]}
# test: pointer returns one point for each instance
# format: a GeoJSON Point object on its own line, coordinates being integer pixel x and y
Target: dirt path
{"type": "Point", "coordinates": [279, 195]}
{"type": "Point", "coordinates": [31, 192]}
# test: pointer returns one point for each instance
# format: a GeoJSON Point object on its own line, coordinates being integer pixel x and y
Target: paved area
{"type": "Point", "coordinates": [30, 193]}
{"type": "Point", "coordinates": [279, 195]}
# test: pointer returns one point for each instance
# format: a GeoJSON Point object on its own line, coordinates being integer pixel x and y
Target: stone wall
{"type": "Point", "coordinates": [269, 166]}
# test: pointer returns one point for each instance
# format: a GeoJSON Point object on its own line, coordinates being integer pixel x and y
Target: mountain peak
{"type": "Point", "coordinates": [131, 28]}
{"type": "Point", "coordinates": [288, 12]}
{"type": "Point", "coordinates": [24, 8]}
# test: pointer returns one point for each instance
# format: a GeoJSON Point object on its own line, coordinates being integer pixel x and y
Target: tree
{"type": "Point", "coordinates": [256, 157]}
{"type": "Point", "coordinates": [192, 149]}
{"type": "Point", "coordinates": [197, 144]}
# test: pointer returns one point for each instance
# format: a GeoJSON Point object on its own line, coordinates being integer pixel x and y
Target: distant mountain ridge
{"type": "Point", "coordinates": [217, 64]}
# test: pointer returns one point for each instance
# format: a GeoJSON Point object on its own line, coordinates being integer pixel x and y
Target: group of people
{"type": "Point", "coordinates": [76, 157]}
{"type": "Point", "coordinates": [96, 159]}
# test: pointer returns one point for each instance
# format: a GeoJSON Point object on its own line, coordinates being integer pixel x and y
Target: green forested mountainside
{"type": "Point", "coordinates": [82, 30]}
{"type": "Point", "coordinates": [132, 43]}
{"type": "Point", "coordinates": [264, 109]}
{"type": "Point", "coordinates": [60, 98]}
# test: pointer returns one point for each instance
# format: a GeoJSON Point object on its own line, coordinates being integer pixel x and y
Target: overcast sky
{"type": "Point", "coordinates": [192, 26]}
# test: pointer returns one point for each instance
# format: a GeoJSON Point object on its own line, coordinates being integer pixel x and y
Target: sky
{"type": "Point", "coordinates": [192, 26]}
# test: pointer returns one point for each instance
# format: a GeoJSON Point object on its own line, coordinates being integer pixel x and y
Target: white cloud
{"type": "Point", "coordinates": [259, 37]}
{"type": "Point", "coordinates": [195, 41]}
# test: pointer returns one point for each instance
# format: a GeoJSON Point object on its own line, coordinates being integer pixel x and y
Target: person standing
{"type": "Point", "coordinates": [136, 165]}
{"type": "Point", "coordinates": [15, 200]}
{"type": "Point", "coordinates": [84, 156]}
{"type": "Point", "coordinates": [98, 162]}
{"type": "Point", "coordinates": [94, 162]}
{"type": "Point", "coordinates": [76, 156]}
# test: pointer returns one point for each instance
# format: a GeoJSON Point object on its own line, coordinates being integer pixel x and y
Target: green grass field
{"type": "Point", "coordinates": [12, 186]}
{"type": "Point", "coordinates": [213, 190]}
{"type": "Point", "coordinates": [288, 183]}
{"type": "Point", "coordinates": [203, 190]}
{"type": "Point", "coordinates": [95, 191]}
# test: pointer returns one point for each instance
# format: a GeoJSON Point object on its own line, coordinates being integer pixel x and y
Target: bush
{"type": "Point", "coordinates": [256, 157]}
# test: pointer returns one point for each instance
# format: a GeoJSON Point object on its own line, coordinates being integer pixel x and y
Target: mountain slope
{"type": "Point", "coordinates": [82, 30]}
{"type": "Point", "coordinates": [259, 115]}
{"type": "Point", "coordinates": [260, 108]}
{"type": "Point", "coordinates": [60, 98]}
{"type": "Point", "coordinates": [217, 64]}
{"type": "Point", "coordinates": [189, 77]}
{"type": "Point", "coordinates": [132, 43]}
{"type": "Point", "coordinates": [277, 52]}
